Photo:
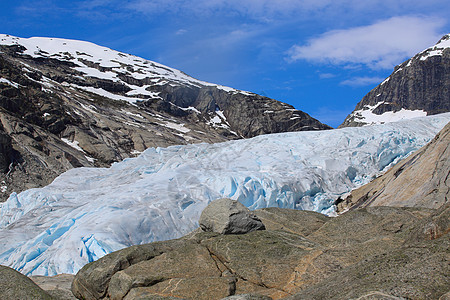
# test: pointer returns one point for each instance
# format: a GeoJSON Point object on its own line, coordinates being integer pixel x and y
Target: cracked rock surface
{"type": "Point", "coordinates": [301, 254]}
{"type": "Point", "coordinates": [226, 216]}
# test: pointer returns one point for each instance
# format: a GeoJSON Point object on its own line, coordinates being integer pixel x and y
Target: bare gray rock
{"type": "Point", "coordinates": [226, 216]}
{"type": "Point", "coordinates": [16, 286]}
{"type": "Point", "coordinates": [368, 253]}
{"type": "Point", "coordinates": [247, 297]}
{"type": "Point", "coordinates": [58, 286]}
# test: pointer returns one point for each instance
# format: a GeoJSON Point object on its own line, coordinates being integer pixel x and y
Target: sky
{"type": "Point", "coordinates": [321, 56]}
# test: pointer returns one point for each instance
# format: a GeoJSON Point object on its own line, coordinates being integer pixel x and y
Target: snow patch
{"type": "Point", "coordinates": [178, 127]}
{"type": "Point", "coordinates": [437, 49]}
{"type": "Point", "coordinates": [386, 80]}
{"type": "Point", "coordinates": [106, 94]}
{"type": "Point", "coordinates": [73, 144]}
{"type": "Point", "coordinates": [191, 108]}
{"type": "Point", "coordinates": [11, 83]}
{"type": "Point", "coordinates": [367, 116]}
{"type": "Point", "coordinates": [109, 63]}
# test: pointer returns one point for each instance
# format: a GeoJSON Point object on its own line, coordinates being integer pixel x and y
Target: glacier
{"type": "Point", "coordinates": [87, 213]}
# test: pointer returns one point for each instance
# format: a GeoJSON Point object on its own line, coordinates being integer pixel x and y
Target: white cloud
{"type": "Point", "coordinates": [362, 81]}
{"type": "Point", "coordinates": [379, 46]}
{"type": "Point", "coordinates": [326, 75]}
{"type": "Point", "coordinates": [181, 31]}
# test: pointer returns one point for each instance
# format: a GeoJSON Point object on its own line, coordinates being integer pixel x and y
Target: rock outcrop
{"type": "Point", "coordinates": [66, 104]}
{"type": "Point", "coordinates": [421, 180]}
{"type": "Point", "coordinates": [16, 286]}
{"type": "Point", "coordinates": [226, 216]}
{"type": "Point", "coordinates": [59, 286]}
{"type": "Point", "coordinates": [368, 253]}
{"type": "Point", "coordinates": [419, 86]}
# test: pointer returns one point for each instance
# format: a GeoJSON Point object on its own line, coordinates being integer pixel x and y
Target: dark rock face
{"type": "Point", "coordinates": [420, 83]}
{"type": "Point", "coordinates": [6, 151]}
{"type": "Point", "coordinates": [55, 115]}
{"type": "Point", "coordinates": [14, 285]}
{"type": "Point", "coordinates": [226, 216]}
{"type": "Point", "coordinates": [372, 253]}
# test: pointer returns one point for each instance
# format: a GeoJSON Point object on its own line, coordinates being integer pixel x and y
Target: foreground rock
{"type": "Point", "coordinates": [16, 286]}
{"type": "Point", "coordinates": [417, 269]}
{"type": "Point", "coordinates": [421, 180]}
{"type": "Point", "coordinates": [226, 216]}
{"type": "Point", "coordinates": [303, 255]}
{"type": "Point", "coordinates": [58, 286]}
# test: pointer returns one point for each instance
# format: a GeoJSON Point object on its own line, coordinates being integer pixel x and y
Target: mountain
{"type": "Point", "coordinates": [66, 103]}
{"type": "Point", "coordinates": [419, 86]}
{"type": "Point", "coordinates": [89, 212]}
{"type": "Point", "coordinates": [421, 180]}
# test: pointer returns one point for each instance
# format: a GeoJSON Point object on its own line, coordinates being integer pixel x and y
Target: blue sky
{"type": "Point", "coordinates": [321, 56]}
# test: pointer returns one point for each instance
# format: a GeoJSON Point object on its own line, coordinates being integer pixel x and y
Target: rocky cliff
{"type": "Point", "coordinates": [421, 180]}
{"type": "Point", "coordinates": [66, 104]}
{"type": "Point", "coordinates": [417, 87]}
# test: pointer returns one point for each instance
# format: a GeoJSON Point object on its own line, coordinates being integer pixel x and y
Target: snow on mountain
{"type": "Point", "coordinates": [368, 117]}
{"type": "Point", "coordinates": [67, 103]}
{"type": "Point", "coordinates": [416, 87]}
{"type": "Point", "coordinates": [436, 50]}
{"type": "Point", "coordinates": [89, 212]}
{"type": "Point", "coordinates": [85, 54]}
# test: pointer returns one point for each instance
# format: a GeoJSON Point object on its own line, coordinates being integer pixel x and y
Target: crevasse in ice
{"type": "Point", "coordinates": [87, 212]}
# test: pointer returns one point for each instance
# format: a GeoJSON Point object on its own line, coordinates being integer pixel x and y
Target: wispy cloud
{"type": "Point", "coordinates": [181, 31]}
{"type": "Point", "coordinates": [378, 46]}
{"type": "Point", "coordinates": [362, 81]}
{"type": "Point", "coordinates": [326, 75]}
{"type": "Point", "coordinates": [269, 9]}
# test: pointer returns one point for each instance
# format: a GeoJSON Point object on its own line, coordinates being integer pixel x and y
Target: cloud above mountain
{"type": "Point", "coordinates": [287, 48]}
{"type": "Point", "coordinates": [378, 46]}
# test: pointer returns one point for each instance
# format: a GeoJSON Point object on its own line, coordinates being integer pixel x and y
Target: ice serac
{"type": "Point", "coordinates": [418, 87]}
{"type": "Point", "coordinates": [89, 212]}
{"type": "Point", "coordinates": [66, 104]}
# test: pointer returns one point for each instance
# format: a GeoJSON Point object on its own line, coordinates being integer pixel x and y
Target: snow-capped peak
{"type": "Point", "coordinates": [437, 49]}
{"type": "Point", "coordinates": [111, 64]}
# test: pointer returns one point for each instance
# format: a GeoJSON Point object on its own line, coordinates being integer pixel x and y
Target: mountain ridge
{"type": "Point", "coordinates": [419, 86]}
{"type": "Point", "coordinates": [66, 104]}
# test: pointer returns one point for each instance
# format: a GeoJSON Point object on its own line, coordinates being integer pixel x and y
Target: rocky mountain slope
{"type": "Point", "coordinates": [372, 253]}
{"type": "Point", "coordinates": [421, 180]}
{"type": "Point", "coordinates": [419, 86]}
{"type": "Point", "coordinates": [66, 104]}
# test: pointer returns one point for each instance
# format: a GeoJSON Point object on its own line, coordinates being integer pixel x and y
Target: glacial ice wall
{"type": "Point", "coordinates": [89, 212]}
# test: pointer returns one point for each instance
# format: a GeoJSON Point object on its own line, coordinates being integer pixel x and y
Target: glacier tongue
{"type": "Point", "coordinates": [86, 212]}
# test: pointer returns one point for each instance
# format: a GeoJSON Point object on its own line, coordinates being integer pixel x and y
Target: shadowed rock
{"type": "Point", "coordinates": [226, 216]}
